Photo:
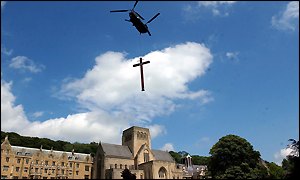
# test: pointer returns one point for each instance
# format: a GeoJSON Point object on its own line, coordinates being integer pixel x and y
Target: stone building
{"type": "Point", "coordinates": [191, 171]}
{"type": "Point", "coordinates": [135, 154]}
{"type": "Point", "coordinates": [32, 163]}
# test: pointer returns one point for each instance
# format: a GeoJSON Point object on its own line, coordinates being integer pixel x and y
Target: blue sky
{"type": "Point", "coordinates": [216, 68]}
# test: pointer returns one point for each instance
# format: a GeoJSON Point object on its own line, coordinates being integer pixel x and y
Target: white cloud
{"type": "Point", "coordinates": [215, 3]}
{"type": "Point", "coordinates": [114, 85]}
{"type": "Point", "coordinates": [168, 147]}
{"type": "Point", "coordinates": [205, 139]}
{"type": "Point", "coordinates": [81, 127]}
{"type": "Point", "coordinates": [22, 62]}
{"type": "Point", "coordinates": [218, 8]}
{"type": "Point", "coordinates": [6, 51]}
{"type": "Point", "coordinates": [26, 79]}
{"type": "Point", "coordinates": [156, 130]}
{"type": "Point", "coordinates": [13, 117]}
{"type": "Point", "coordinates": [289, 19]}
{"type": "Point", "coordinates": [232, 56]}
{"type": "Point", "coordinates": [110, 93]}
{"type": "Point", "coordinates": [38, 114]}
{"type": "Point", "coordinates": [3, 4]}
{"type": "Point", "coordinates": [282, 154]}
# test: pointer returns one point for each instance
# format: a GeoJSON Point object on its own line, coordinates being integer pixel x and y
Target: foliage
{"type": "Point", "coordinates": [126, 174]}
{"type": "Point", "coordinates": [183, 153]}
{"type": "Point", "coordinates": [294, 146]}
{"type": "Point", "coordinates": [196, 159]}
{"type": "Point", "coordinates": [176, 156]}
{"type": "Point", "coordinates": [275, 171]}
{"type": "Point", "coordinates": [35, 142]}
{"type": "Point", "coordinates": [233, 172]}
{"type": "Point", "coordinates": [291, 163]}
{"type": "Point", "coordinates": [286, 165]}
{"type": "Point", "coordinates": [259, 172]}
{"type": "Point", "coordinates": [234, 157]}
{"type": "Point", "coordinates": [200, 160]}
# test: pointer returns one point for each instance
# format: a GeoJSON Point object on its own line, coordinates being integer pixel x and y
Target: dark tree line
{"type": "Point", "coordinates": [35, 142]}
{"type": "Point", "coordinates": [196, 159]}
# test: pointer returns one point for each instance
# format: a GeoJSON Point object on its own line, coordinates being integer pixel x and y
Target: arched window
{"type": "Point", "coordinates": [140, 135]}
{"type": "Point", "coordinates": [162, 173]}
{"type": "Point", "coordinates": [146, 155]}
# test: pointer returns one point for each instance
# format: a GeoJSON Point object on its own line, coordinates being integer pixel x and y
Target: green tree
{"type": "Point", "coordinates": [200, 160]}
{"type": "Point", "coordinates": [233, 172]}
{"type": "Point", "coordinates": [35, 142]}
{"type": "Point", "coordinates": [291, 163]}
{"type": "Point", "coordinates": [234, 157]}
{"type": "Point", "coordinates": [196, 159]}
{"type": "Point", "coordinates": [276, 172]}
{"type": "Point", "coordinates": [176, 156]}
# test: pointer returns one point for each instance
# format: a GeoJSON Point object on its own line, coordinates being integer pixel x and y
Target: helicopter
{"type": "Point", "coordinates": [136, 19]}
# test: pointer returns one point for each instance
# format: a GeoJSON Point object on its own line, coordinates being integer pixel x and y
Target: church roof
{"type": "Point", "coordinates": [162, 155]}
{"type": "Point", "coordinates": [114, 150]}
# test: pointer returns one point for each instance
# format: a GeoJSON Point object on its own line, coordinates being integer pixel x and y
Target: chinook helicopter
{"type": "Point", "coordinates": [136, 19]}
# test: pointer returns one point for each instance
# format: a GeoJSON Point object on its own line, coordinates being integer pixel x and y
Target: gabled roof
{"type": "Point", "coordinates": [162, 155]}
{"type": "Point", "coordinates": [114, 150]}
{"type": "Point", "coordinates": [25, 151]}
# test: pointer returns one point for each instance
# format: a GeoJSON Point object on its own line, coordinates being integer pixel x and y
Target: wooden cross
{"type": "Point", "coordinates": [141, 68]}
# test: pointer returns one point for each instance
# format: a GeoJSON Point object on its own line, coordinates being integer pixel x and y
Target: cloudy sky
{"type": "Point", "coordinates": [216, 68]}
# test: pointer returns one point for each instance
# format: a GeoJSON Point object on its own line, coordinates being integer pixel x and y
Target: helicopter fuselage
{"type": "Point", "coordinates": [137, 22]}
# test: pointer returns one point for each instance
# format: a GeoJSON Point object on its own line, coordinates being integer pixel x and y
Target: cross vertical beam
{"type": "Point", "coordinates": [141, 63]}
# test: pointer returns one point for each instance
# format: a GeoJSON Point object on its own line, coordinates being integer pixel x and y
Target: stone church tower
{"type": "Point", "coordinates": [135, 137]}
{"type": "Point", "coordinates": [134, 154]}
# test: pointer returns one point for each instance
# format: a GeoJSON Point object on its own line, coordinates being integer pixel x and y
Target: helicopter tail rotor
{"type": "Point", "coordinates": [153, 18]}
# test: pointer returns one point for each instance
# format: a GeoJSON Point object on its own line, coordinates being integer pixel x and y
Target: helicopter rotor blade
{"type": "Point", "coordinates": [153, 18]}
{"type": "Point", "coordinates": [119, 11]}
{"type": "Point", "coordinates": [135, 4]}
{"type": "Point", "coordinates": [139, 15]}
{"type": "Point", "coordinates": [149, 33]}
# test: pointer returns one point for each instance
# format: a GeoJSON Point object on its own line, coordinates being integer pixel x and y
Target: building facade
{"type": "Point", "coordinates": [32, 163]}
{"type": "Point", "coordinates": [134, 154]}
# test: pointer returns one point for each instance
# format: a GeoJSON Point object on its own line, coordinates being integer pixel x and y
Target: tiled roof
{"type": "Point", "coordinates": [162, 155]}
{"type": "Point", "coordinates": [114, 150]}
{"type": "Point", "coordinates": [25, 151]}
